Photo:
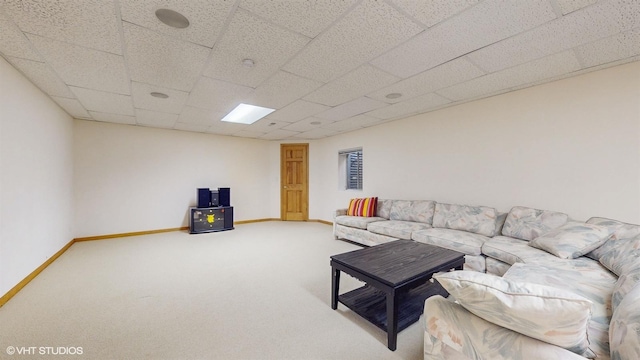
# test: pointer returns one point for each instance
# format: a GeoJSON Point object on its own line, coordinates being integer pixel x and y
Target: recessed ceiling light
{"type": "Point", "coordinates": [315, 123]}
{"type": "Point", "coordinates": [159, 95]}
{"type": "Point", "coordinates": [248, 63]}
{"type": "Point", "coordinates": [172, 18]}
{"type": "Point", "coordinates": [247, 114]}
{"type": "Point", "coordinates": [271, 124]}
{"type": "Point", "coordinates": [393, 95]}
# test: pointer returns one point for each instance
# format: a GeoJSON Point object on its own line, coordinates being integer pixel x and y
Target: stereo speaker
{"type": "Point", "coordinates": [224, 196]}
{"type": "Point", "coordinates": [204, 197]}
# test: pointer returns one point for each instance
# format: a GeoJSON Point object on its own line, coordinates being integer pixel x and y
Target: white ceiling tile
{"type": "Point", "coordinates": [351, 108]}
{"type": "Point", "coordinates": [567, 6]}
{"type": "Point", "coordinates": [192, 115]}
{"type": "Point", "coordinates": [367, 31]}
{"type": "Point", "coordinates": [217, 95]}
{"type": "Point", "coordinates": [575, 29]}
{"type": "Point", "coordinates": [105, 102]}
{"type": "Point", "coordinates": [352, 85]}
{"type": "Point", "coordinates": [42, 76]}
{"type": "Point", "coordinates": [625, 13]}
{"type": "Point", "coordinates": [412, 106]}
{"type": "Point", "coordinates": [249, 37]}
{"type": "Point", "coordinates": [113, 118]}
{"type": "Point", "coordinates": [265, 125]}
{"type": "Point", "coordinates": [248, 134]}
{"type": "Point", "coordinates": [191, 127]}
{"type": "Point", "coordinates": [432, 12]}
{"type": "Point", "coordinates": [315, 134]}
{"type": "Point", "coordinates": [623, 45]}
{"type": "Point", "coordinates": [352, 123]}
{"type": "Point", "coordinates": [93, 25]}
{"type": "Point", "coordinates": [309, 17]}
{"type": "Point", "coordinates": [14, 42]}
{"type": "Point", "coordinates": [297, 110]}
{"type": "Point", "coordinates": [225, 128]}
{"type": "Point", "coordinates": [84, 67]}
{"type": "Point", "coordinates": [306, 124]}
{"type": "Point", "coordinates": [442, 76]}
{"type": "Point", "coordinates": [160, 60]}
{"type": "Point", "coordinates": [279, 134]}
{"type": "Point", "coordinates": [206, 18]}
{"type": "Point", "coordinates": [142, 98]}
{"type": "Point", "coordinates": [282, 89]}
{"type": "Point", "coordinates": [491, 21]}
{"type": "Point", "coordinates": [536, 70]}
{"type": "Point", "coordinates": [72, 107]}
{"type": "Point", "coordinates": [156, 119]}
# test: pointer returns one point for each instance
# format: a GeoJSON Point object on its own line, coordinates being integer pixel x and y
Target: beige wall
{"type": "Point", "coordinates": [36, 173]}
{"type": "Point", "coordinates": [130, 178]}
{"type": "Point", "coordinates": [572, 145]}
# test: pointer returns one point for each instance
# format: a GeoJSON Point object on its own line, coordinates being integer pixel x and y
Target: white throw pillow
{"type": "Point", "coordinates": [572, 239]}
{"type": "Point", "coordinates": [553, 315]}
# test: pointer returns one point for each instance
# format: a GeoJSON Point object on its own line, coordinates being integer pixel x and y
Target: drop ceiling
{"type": "Point", "coordinates": [326, 66]}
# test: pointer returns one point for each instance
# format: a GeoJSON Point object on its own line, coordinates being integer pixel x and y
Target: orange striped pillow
{"type": "Point", "coordinates": [363, 207]}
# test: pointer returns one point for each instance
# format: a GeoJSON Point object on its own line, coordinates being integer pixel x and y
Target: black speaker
{"type": "Point", "coordinates": [224, 196]}
{"type": "Point", "coordinates": [204, 197]}
{"type": "Point", "coordinates": [214, 198]}
{"type": "Point", "coordinates": [228, 218]}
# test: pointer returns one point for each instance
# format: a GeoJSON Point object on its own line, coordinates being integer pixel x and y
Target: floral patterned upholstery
{"type": "Point", "coordinates": [572, 239]}
{"type": "Point", "coordinates": [622, 231]}
{"type": "Point", "coordinates": [396, 228]}
{"type": "Point", "coordinates": [359, 222]}
{"type": "Point", "coordinates": [461, 241]}
{"type": "Point", "coordinates": [475, 219]}
{"type": "Point", "coordinates": [625, 327]}
{"type": "Point", "coordinates": [496, 267]}
{"type": "Point", "coordinates": [527, 223]}
{"type": "Point", "coordinates": [361, 236]}
{"type": "Point", "coordinates": [413, 210]}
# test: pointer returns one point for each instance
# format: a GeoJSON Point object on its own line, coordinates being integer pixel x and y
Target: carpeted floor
{"type": "Point", "coordinates": [261, 291]}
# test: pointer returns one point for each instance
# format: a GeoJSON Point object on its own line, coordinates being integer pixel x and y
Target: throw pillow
{"type": "Point", "coordinates": [553, 315]}
{"type": "Point", "coordinates": [363, 207]}
{"type": "Point", "coordinates": [625, 327]}
{"type": "Point", "coordinates": [572, 239]}
{"type": "Point", "coordinates": [623, 256]}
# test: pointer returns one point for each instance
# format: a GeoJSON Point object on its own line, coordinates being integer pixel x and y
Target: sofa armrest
{"type": "Point", "coordinates": [339, 212]}
{"type": "Point", "coordinates": [452, 332]}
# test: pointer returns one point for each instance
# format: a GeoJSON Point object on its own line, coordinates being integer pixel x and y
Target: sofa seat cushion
{"type": "Point", "coordinates": [527, 224]}
{"type": "Point", "coordinates": [546, 313]}
{"type": "Point", "coordinates": [359, 222]}
{"type": "Point", "coordinates": [511, 251]}
{"type": "Point", "coordinates": [476, 219]}
{"type": "Point", "coordinates": [461, 241]}
{"type": "Point", "coordinates": [413, 210]}
{"type": "Point", "coordinates": [584, 277]}
{"type": "Point", "coordinates": [360, 236]}
{"type": "Point", "coordinates": [396, 228]}
{"type": "Point", "coordinates": [622, 231]}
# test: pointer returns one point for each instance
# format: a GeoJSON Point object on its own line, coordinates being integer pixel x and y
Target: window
{"type": "Point", "coordinates": [351, 169]}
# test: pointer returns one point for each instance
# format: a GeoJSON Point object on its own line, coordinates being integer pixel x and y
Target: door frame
{"type": "Point", "coordinates": [305, 213]}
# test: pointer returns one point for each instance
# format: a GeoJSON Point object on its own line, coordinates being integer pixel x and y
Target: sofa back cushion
{"type": "Point", "coordinates": [476, 219]}
{"type": "Point", "coordinates": [625, 327]}
{"type": "Point", "coordinates": [623, 256]}
{"type": "Point", "coordinates": [622, 231]}
{"type": "Point", "coordinates": [527, 223]}
{"type": "Point", "coordinates": [384, 208]}
{"type": "Point", "coordinates": [413, 210]}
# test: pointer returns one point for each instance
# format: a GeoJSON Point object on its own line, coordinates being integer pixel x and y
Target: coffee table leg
{"type": "Point", "coordinates": [335, 285]}
{"type": "Point", "coordinates": [392, 321]}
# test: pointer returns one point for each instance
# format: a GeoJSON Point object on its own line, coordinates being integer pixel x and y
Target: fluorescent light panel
{"type": "Point", "coordinates": [247, 114]}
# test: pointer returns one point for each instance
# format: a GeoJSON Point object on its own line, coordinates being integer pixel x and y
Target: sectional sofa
{"type": "Point", "coordinates": [536, 283]}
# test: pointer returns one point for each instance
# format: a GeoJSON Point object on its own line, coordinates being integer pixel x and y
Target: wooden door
{"type": "Point", "coordinates": [294, 182]}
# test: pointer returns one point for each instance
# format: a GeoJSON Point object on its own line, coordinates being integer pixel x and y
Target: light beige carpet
{"type": "Point", "coordinates": [261, 291]}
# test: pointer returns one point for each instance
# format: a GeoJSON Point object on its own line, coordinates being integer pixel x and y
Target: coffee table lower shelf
{"type": "Point", "coordinates": [371, 303]}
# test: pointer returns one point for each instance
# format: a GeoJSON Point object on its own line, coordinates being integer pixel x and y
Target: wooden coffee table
{"type": "Point", "coordinates": [397, 282]}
